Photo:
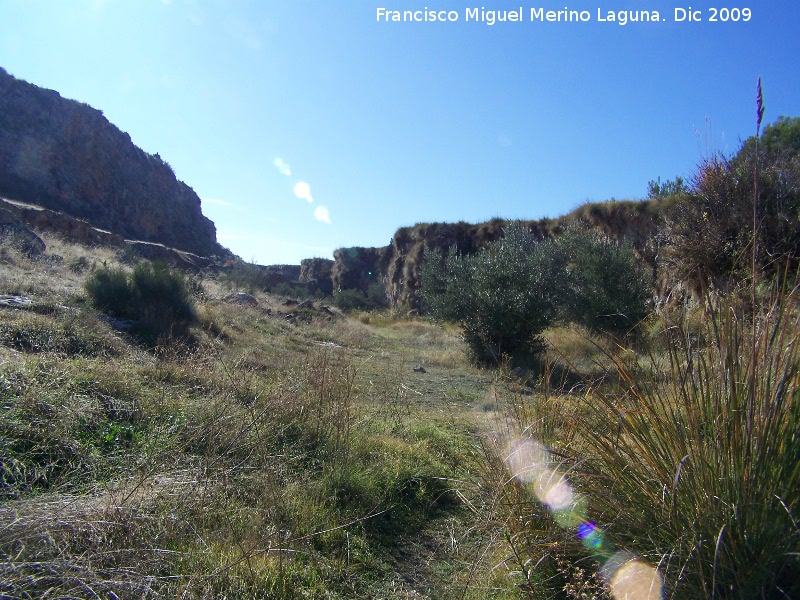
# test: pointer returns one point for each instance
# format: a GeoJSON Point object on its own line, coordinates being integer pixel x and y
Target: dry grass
{"type": "Point", "coordinates": [262, 459]}
{"type": "Point", "coordinates": [57, 275]}
{"type": "Point", "coordinates": [688, 464]}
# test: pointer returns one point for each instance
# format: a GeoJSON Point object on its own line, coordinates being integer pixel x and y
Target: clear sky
{"type": "Point", "coordinates": [308, 125]}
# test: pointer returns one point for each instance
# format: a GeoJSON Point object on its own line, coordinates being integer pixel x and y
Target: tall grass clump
{"type": "Point", "coordinates": [692, 464]}
{"type": "Point", "coordinates": [155, 297]}
{"type": "Point", "coordinates": [701, 472]}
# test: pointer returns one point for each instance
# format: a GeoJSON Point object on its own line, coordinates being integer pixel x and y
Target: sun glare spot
{"type": "Point", "coordinates": [553, 489]}
{"type": "Point", "coordinates": [526, 459]}
{"type": "Point", "coordinates": [282, 166]}
{"type": "Point", "coordinates": [321, 214]}
{"type": "Point", "coordinates": [636, 581]}
{"type": "Point", "coordinates": [630, 578]}
{"type": "Point", "coordinates": [303, 191]}
{"type": "Point", "coordinates": [627, 576]}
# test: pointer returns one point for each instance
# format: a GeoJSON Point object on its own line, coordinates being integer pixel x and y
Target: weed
{"type": "Point", "coordinates": [694, 469]}
{"type": "Point", "coordinates": [155, 297]}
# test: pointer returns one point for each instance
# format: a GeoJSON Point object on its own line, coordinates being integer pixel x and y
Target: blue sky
{"type": "Point", "coordinates": [381, 124]}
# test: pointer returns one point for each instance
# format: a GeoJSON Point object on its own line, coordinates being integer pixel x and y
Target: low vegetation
{"type": "Point", "coordinates": [505, 295]}
{"type": "Point", "coordinates": [154, 297]}
{"type": "Point", "coordinates": [249, 458]}
{"type": "Point", "coordinates": [159, 440]}
{"type": "Point", "coordinates": [687, 463]}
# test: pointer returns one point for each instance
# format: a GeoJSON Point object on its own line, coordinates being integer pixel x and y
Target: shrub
{"type": "Point", "coordinates": [78, 265]}
{"type": "Point", "coordinates": [691, 465]}
{"type": "Point", "coordinates": [660, 191]}
{"type": "Point", "coordinates": [153, 295]}
{"type": "Point", "coordinates": [354, 299]}
{"type": "Point", "coordinates": [296, 290]}
{"type": "Point", "coordinates": [109, 290]}
{"type": "Point", "coordinates": [710, 230]}
{"type": "Point", "coordinates": [163, 302]}
{"type": "Point", "coordinates": [503, 296]}
{"type": "Point", "coordinates": [609, 285]}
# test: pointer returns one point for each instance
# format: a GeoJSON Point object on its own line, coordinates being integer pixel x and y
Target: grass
{"type": "Point", "coordinates": [686, 462]}
{"type": "Point", "coordinates": [721, 439]}
{"type": "Point", "coordinates": [261, 459]}
{"type": "Point", "coordinates": [253, 459]}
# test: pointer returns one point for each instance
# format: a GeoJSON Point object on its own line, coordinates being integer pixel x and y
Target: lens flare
{"type": "Point", "coordinates": [636, 581]}
{"type": "Point", "coordinates": [627, 576]}
{"type": "Point", "coordinates": [303, 191]}
{"type": "Point", "coordinates": [590, 535]}
{"type": "Point", "coordinates": [553, 489]}
{"type": "Point", "coordinates": [321, 214]}
{"type": "Point", "coordinates": [282, 166]}
{"type": "Point", "coordinates": [630, 578]}
{"type": "Point", "coordinates": [526, 459]}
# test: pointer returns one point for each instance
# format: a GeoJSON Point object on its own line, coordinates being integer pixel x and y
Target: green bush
{"type": "Point", "coordinates": [354, 299]}
{"type": "Point", "coordinates": [660, 191]}
{"type": "Point", "coordinates": [503, 296]}
{"type": "Point", "coordinates": [164, 304]}
{"type": "Point", "coordinates": [153, 296]}
{"type": "Point", "coordinates": [710, 229]}
{"type": "Point", "coordinates": [109, 290]}
{"type": "Point", "coordinates": [293, 290]}
{"type": "Point", "coordinates": [609, 286]}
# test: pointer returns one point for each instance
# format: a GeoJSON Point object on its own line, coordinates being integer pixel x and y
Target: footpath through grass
{"type": "Point", "coordinates": [261, 460]}
{"type": "Point", "coordinates": [328, 457]}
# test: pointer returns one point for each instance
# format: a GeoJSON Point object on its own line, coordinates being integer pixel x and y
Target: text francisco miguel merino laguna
{"type": "Point", "coordinates": [565, 15]}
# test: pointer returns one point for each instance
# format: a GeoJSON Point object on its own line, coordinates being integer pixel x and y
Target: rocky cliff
{"type": "Point", "coordinates": [357, 268]}
{"type": "Point", "coordinates": [66, 156]}
{"type": "Point", "coordinates": [316, 274]}
{"type": "Point", "coordinates": [397, 266]}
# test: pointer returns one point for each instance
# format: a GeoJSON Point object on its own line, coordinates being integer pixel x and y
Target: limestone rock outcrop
{"type": "Point", "coordinates": [357, 268]}
{"type": "Point", "coordinates": [397, 266]}
{"type": "Point", "coordinates": [15, 233]}
{"type": "Point", "coordinates": [316, 274]}
{"type": "Point", "coordinates": [67, 157]}
{"type": "Point", "coordinates": [69, 228]}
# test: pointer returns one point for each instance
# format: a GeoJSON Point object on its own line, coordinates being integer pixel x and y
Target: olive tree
{"type": "Point", "coordinates": [506, 294]}
{"type": "Point", "coordinates": [503, 295]}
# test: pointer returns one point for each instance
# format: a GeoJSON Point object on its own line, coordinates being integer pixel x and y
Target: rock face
{"type": "Point", "coordinates": [411, 244]}
{"type": "Point", "coordinates": [14, 232]}
{"type": "Point", "coordinates": [316, 274]}
{"type": "Point", "coordinates": [272, 275]}
{"type": "Point", "coordinates": [66, 156]}
{"type": "Point", "coordinates": [397, 266]}
{"type": "Point", "coordinates": [73, 230]}
{"type": "Point", "coordinates": [16, 217]}
{"type": "Point", "coordinates": [356, 268]}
